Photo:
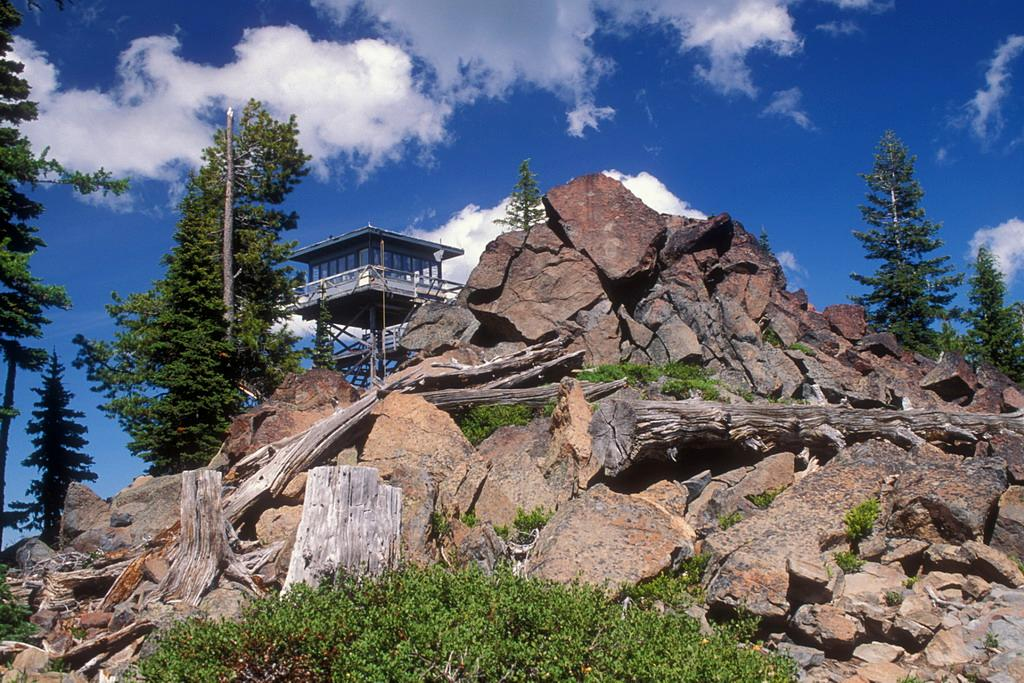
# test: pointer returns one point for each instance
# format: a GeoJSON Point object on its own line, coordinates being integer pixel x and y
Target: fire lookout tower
{"type": "Point", "coordinates": [371, 280]}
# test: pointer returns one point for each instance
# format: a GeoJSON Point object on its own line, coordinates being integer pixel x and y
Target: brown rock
{"type": "Point", "coordinates": [295, 490]}
{"type": "Point", "coordinates": [810, 581]}
{"type": "Point", "coordinates": [952, 379]}
{"type": "Point", "coordinates": [1008, 534]}
{"type": "Point", "coordinates": [420, 449]}
{"type": "Point", "coordinates": [608, 223]}
{"type": "Point", "coordinates": [974, 558]}
{"type": "Point", "coordinates": [948, 649]}
{"type": "Point", "coordinates": [95, 619]}
{"type": "Point", "coordinates": [693, 236]}
{"type": "Point", "coordinates": [489, 273]}
{"type": "Point", "coordinates": [83, 510]}
{"type": "Point", "coordinates": [278, 524]}
{"type": "Point", "coordinates": [547, 283]}
{"type": "Point", "coordinates": [681, 343]}
{"type": "Point", "coordinates": [45, 619]}
{"type": "Point", "coordinates": [437, 327]}
{"type": "Point", "coordinates": [481, 546]}
{"type": "Point", "coordinates": [155, 568]}
{"type": "Point", "coordinates": [515, 476]}
{"type": "Point", "coordinates": [847, 320]}
{"type": "Point", "coordinates": [609, 538]}
{"type": "Point", "coordinates": [878, 652]}
{"type": "Point", "coordinates": [828, 628]}
{"type": "Point", "coordinates": [31, 660]}
{"type": "Point", "coordinates": [881, 344]}
{"type": "Point", "coordinates": [315, 389]}
{"type": "Point", "coordinates": [947, 501]}
{"type": "Point", "coordinates": [882, 672]}
{"type": "Point", "coordinates": [1010, 447]}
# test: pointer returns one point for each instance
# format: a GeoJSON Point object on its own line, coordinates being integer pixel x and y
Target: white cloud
{"type": "Point", "coordinates": [587, 115]}
{"type": "Point", "coordinates": [357, 102]}
{"type": "Point", "coordinates": [788, 261]}
{"type": "Point", "coordinates": [296, 325]}
{"type": "Point", "coordinates": [985, 108]}
{"type": "Point", "coordinates": [786, 103]}
{"type": "Point", "coordinates": [654, 194]}
{"type": "Point", "coordinates": [839, 28]}
{"type": "Point", "coordinates": [469, 229]}
{"type": "Point", "coordinates": [1006, 242]}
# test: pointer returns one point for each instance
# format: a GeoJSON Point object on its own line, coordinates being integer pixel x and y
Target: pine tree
{"type": "Point", "coordinates": [995, 333]}
{"type": "Point", "coordinates": [172, 376]}
{"type": "Point", "coordinates": [58, 440]}
{"type": "Point", "coordinates": [24, 299]}
{"type": "Point", "coordinates": [911, 288]}
{"type": "Point", "coordinates": [762, 240]}
{"type": "Point", "coordinates": [524, 208]}
{"type": "Point", "coordinates": [323, 344]}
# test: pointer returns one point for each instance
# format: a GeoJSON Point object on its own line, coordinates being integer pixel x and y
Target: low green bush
{"type": "Point", "coordinates": [803, 348]}
{"type": "Point", "coordinates": [861, 519]}
{"type": "Point", "coordinates": [439, 525]}
{"type": "Point", "coordinates": [770, 336]}
{"type": "Point", "coordinates": [480, 422]}
{"type": "Point", "coordinates": [893, 598]}
{"type": "Point", "coordinates": [469, 519]}
{"type": "Point", "coordinates": [14, 623]}
{"type": "Point", "coordinates": [764, 499]}
{"type": "Point", "coordinates": [707, 389]}
{"type": "Point", "coordinates": [634, 373]}
{"type": "Point", "coordinates": [677, 589]}
{"type": "Point", "coordinates": [848, 561]}
{"type": "Point", "coordinates": [436, 625]}
{"type": "Point", "coordinates": [732, 519]}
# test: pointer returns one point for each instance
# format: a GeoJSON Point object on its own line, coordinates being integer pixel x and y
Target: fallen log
{"type": "Point", "coordinates": [351, 523]}
{"type": "Point", "coordinates": [203, 551]}
{"type": "Point", "coordinates": [627, 432]}
{"type": "Point", "coordinates": [535, 397]}
{"type": "Point", "coordinates": [88, 655]}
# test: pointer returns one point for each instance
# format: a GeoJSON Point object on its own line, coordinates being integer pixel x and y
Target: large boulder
{"type": "Point", "coordinates": [546, 283]}
{"type": "Point", "coordinates": [150, 505]}
{"type": "Point", "coordinates": [83, 510]}
{"type": "Point", "coordinates": [1008, 534]}
{"type": "Point", "coordinates": [946, 499]}
{"type": "Point", "coordinates": [847, 320]}
{"type": "Point", "coordinates": [607, 223]}
{"type": "Point", "coordinates": [420, 449]}
{"type": "Point", "coordinates": [609, 538]}
{"type": "Point", "coordinates": [436, 327]}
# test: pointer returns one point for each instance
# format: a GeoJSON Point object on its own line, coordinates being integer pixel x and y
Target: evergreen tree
{"type": "Point", "coordinates": [524, 208]}
{"type": "Point", "coordinates": [323, 344]}
{"type": "Point", "coordinates": [58, 440]}
{"type": "Point", "coordinates": [995, 333]}
{"type": "Point", "coordinates": [172, 376]}
{"type": "Point", "coordinates": [762, 240]}
{"type": "Point", "coordinates": [24, 299]}
{"type": "Point", "coordinates": [911, 288]}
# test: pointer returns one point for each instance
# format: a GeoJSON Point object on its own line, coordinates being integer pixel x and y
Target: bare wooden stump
{"type": "Point", "coordinates": [203, 550]}
{"type": "Point", "coordinates": [351, 522]}
{"type": "Point", "coordinates": [626, 432]}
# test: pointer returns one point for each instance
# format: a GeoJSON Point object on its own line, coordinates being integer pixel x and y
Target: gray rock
{"type": "Point", "coordinates": [83, 510]}
{"type": "Point", "coordinates": [952, 379]}
{"type": "Point", "coordinates": [805, 657]}
{"type": "Point", "coordinates": [121, 519]}
{"type": "Point", "coordinates": [154, 504]}
{"type": "Point", "coordinates": [1008, 534]}
{"type": "Point", "coordinates": [828, 628]}
{"type": "Point", "coordinates": [437, 327]}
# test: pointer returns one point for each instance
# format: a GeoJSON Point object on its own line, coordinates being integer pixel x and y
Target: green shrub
{"type": "Point", "coordinates": [726, 521]}
{"type": "Point", "coordinates": [764, 499]}
{"type": "Point", "coordinates": [469, 519]}
{"type": "Point", "coordinates": [910, 679]}
{"type": "Point", "coordinates": [708, 389]}
{"type": "Point", "coordinates": [434, 625]}
{"type": "Point", "coordinates": [772, 337]}
{"type": "Point", "coordinates": [502, 532]}
{"type": "Point", "coordinates": [991, 641]}
{"type": "Point", "coordinates": [525, 522]}
{"type": "Point", "coordinates": [848, 561]}
{"type": "Point", "coordinates": [803, 348]}
{"type": "Point", "coordinates": [1019, 562]}
{"type": "Point", "coordinates": [439, 525]}
{"type": "Point", "coordinates": [861, 519]}
{"type": "Point", "coordinates": [480, 422]}
{"type": "Point", "coordinates": [911, 581]}
{"type": "Point", "coordinates": [14, 623]}
{"type": "Point", "coordinates": [634, 373]}
{"type": "Point", "coordinates": [548, 409]}
{"type": "Point", "coordinates": [893, 598]}
{"type": "Point", "coordinates": [677, 590]}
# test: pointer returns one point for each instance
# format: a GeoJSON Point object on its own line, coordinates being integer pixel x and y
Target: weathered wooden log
{"type": "Point", "coordinates": [351, 523]}
{"type": "Point", "coordinates": [537, 372]}
{"type": "Point", "coordinates": [452, 374]}
{"type": "Point", "coordinates": [65, 590]}
{"type": "Point", "coordinates": [535, 397]}
{"type": "Point", "coordinates": [626, 432]}
{"type": "Point", "coordinates": [203, 551]}
{"type": "Point", "coordinates": [87, 656]}
{"type": "Point", "coordinates": [321, 441]}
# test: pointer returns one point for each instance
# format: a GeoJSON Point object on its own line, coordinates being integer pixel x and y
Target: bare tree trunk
{"type": "Point", "coordinates": [203, 551]}
{"type": "Point", "coordinates": [11, 360]}
{"type": "Point", "coordinates": [228, 241]}
{"type": "Point", "coordinates": [351, 523]}
{"type": "Point", "coordinates": [626, 432]}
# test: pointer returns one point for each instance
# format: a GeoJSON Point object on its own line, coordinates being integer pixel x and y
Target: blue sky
{"type": "Point", "coordinates": [418, 113]}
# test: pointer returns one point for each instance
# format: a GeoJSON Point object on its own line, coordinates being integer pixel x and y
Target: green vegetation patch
{"type": "Point", "coordinates": [14, 623]}
{"type": "Point", "coordinates": [848, 561]}
{"type": "Point", "coordinates": [732, 519]}
{"type": "Point", "coordinates": [764, 499]}
{"type": "Point", "coordinates": [634, 373]}
{"type": "Point", "coordinates": [435, 625]}
{"type": "Point", "coordinates": [861, 519]}
{"type": "Point", "coordinates": [802, 348]}
{"type": "Point", "coordinates": [677, 589]}
{"type": "Point", "coordinates": [480, 422]}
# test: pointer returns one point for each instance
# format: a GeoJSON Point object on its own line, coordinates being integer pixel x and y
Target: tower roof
{"type": "Point", "coordinates": [371, 234]}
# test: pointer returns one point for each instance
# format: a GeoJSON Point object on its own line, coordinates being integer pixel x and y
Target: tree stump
{"type": "Point", "coordinates": [351, 523]}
